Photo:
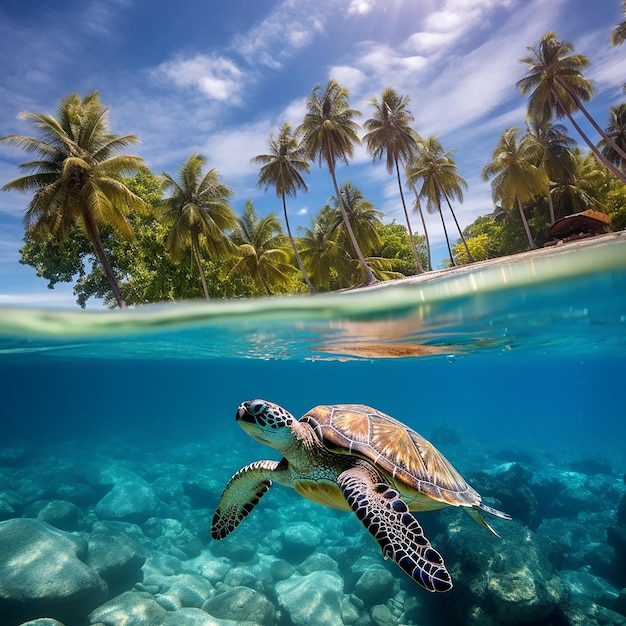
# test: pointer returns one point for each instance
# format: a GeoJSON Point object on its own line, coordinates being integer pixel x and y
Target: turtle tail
{"type": "Point", "coordinates": [474, 512]}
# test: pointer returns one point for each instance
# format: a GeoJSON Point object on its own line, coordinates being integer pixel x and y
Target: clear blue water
{"type": "Point", "coordinates": [525, 358]}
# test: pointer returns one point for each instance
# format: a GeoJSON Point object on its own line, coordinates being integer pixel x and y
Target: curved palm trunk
{"type": "Point", "coordinates": [420, 269]}
{"type": "Point", "coordinates": [469, 254]}
{"type": "Point", "coordinates": [445, 232]}
{"type": "Point", "coordinates": [96, 242]}
{"type": "Point", "coordinates": [196, 255]}
{"type": "Point", "coordinates": [621, 175]}
{"type": "Point", "coordinates": [419, 208]}
{"type": "Point", "coordinates": [265, 283]}
{"type": "Point", "coordinates": [369, 275]}
{"type": "Point", "coordinates": [551, 207]}
{"type": "Point", "coordinates": [295, 250]}
{"type": "Point", "coordinates": [593, 122]}
{"type": "Point", "coordinates": [531, 241]}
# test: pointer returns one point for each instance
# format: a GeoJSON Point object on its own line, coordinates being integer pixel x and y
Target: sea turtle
{"type": "Point", "coordinates": [353, 457]}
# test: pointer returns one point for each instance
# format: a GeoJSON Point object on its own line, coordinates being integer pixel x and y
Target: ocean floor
{"type": "Point", "coordinates": [118, 533]}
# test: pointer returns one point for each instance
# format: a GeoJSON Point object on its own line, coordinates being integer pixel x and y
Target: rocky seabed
{"type": "Point", "coordinates": [95, 534]}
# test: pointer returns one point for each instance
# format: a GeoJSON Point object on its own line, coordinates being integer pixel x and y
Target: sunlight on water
{"type": "Point", "coordinates": [528, 301]}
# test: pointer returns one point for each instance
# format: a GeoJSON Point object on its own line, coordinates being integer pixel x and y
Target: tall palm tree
{"type": "Point", "coordinates": [616, 130]}
{"type": "Point", "coordinates": [281, 169]}
{"type": "Point", "coordinates": [440, 181]}
{"type": "Point", "coordinates": [198, 212]}
{"type": "Point", "coordinates": [557, 87]}
{"type": "Point", "coordinates": [618, 34]}
{"type": "Point", "coordinates": [261, 250]}
{"type": "Point", "coordinates": [516, 177]}
{"type": "Point", "coordinates": [390, 134]}
{"type": "Point", "coordinates": [76, 176]}
{"type": "Point", "coordinates": [329, 134]}
{"type": "Point", "coordinates": [553, 153]}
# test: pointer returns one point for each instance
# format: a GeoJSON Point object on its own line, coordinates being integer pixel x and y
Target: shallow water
{"type": "Point", "coordinates": [520, 362]}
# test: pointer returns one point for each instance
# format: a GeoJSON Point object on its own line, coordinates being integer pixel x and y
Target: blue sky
{"type": "Point", "coordinates": [216, 78]}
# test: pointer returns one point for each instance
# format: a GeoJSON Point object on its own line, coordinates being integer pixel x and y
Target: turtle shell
{"type": "Point", "coordinates": [404, 457]}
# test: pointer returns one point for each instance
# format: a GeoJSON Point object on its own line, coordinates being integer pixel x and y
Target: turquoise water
{"type": "Point", "coordinates": [519, 363]}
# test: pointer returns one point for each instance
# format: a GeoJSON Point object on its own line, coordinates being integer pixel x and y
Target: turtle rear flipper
{"type": "Point", "coordinates": [241, 495]}
{"type": "Point", "coordinates": [386, 517]}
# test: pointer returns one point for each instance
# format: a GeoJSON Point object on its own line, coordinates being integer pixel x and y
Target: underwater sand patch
{"type": "Point", "coordinates": [385, 350]}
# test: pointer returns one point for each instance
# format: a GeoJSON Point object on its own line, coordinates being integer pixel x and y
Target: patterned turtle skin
{"type": "Point", "coordinates": [354, 458]}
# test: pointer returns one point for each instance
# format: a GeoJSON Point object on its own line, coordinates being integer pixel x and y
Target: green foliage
{"type": "Point", "coordinates": [479, 248]}
{"type": "Point", "coordinates": [396, 246]}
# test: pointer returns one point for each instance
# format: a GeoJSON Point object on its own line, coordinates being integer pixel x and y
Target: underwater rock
{"type": "Point", "coordinates": [242, 577]}
{"type": "Point", "coordinates": [172, 537]}
{"type": "Point", "coordinates": [197, 617]}
{"type": "Point", "coordinates": [240, 547]}
{"type": "Point", "coordinates": [11, 504]}
{"type": "Point", "coordinates": [58, 513]}
{"type": "Point", "coordinates": [281, 569]}
{"type": "Point", "coordinates": [46, 576]}
{"type": "Point", "coordinates": [156, 570]}
{"type": "Point", "coordinates": [382, 616]}
{"type": "Point", "coordinates": [375, 586]}
{"type": "Point", "coordinates": [298, 540]}
{"type": "Point", "coordinates": [593, 588]}
{"type": "Point", "coordinates": [510, 579]}
{"type": "Point", "coordinates": [42, 621]}
{"type": "Point", "coordinates": [316, 562]}
{"type": "Point", "coordinates": [312, 600]}
{"type": "Point", "coordinates": [132, 608]}
{"type": "Point", "coordinates": [616, 538]}
{"type": "Point", "coordinates": [511, 485]}
{"type": "Point", "coordinates": [582, 612]}
{"type": "Point", "coordinates": [133, 501]}
{"type": "Point", "coordinates": [184, 590]}
{"type": "Point", "coordinates": [14, 456]}
{"type": "Point", "coordinates": [116, 557]}
{"type": "Point", "coordinates": [241, 605]}
{"type": "Point", "coordinates": [349, 612]}
{"type": "Point", "coordinates": [591, 466]}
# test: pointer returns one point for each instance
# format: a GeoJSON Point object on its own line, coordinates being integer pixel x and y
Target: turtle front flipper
{"type": "Point", "coordinates": [241, 495]}
{"type": "Point", "coordinates": [387, 518]}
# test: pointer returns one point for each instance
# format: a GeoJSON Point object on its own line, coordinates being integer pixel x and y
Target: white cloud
{"type": "Point", "coordinates": [361, 7]}
{"type": "Point", "coordinates": [216, 77]}
{"type": "Point", "coordinates": [291, 26]}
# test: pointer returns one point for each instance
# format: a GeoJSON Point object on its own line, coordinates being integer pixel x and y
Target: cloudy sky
{"type": "Point", "coordinates": [216, 78]}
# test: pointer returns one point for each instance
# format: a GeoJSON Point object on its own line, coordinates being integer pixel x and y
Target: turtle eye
{"type": "Point", "coordinates": [256, 407]}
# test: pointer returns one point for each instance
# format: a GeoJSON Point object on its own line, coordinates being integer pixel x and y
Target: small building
{"type": "Point", "coordinates": [578, 226]}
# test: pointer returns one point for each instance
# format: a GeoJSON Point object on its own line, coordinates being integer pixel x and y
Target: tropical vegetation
{"type": "Point", "coordinates": [101, 219]}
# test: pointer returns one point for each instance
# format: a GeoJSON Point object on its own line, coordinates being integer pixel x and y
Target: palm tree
{"type": "Point", "coordinates": [618, 34]}
{"type": "Point", "coordinates": [578, 192]}
{"type": "Point", "coordinates": [364, 218]}
{"type": "Point", "coordinates": [390, 134]}
{"type": "Point", "coordinates": [516, 177]}
{"type": "Point", "coordinates": [76, 176]}
{"type": "Point", "coordinates": [553, 153]}
{"type": "Point", "coordinates": [616, 130]}
{"type": "Point", "coordinates": [262, 254]}
{"type": "Point", "coordinates": [440, 180]}
{"type": "Point", "coordinates": [281, 169]}
{"type": "Point", "coordinates": [199, 213]}
{"type": "Point", "coordinates": [328, 135]}
{"type": "Point", "coordinates": [323, 254]}
{"type": "Point", "coordinates": [557, 87]}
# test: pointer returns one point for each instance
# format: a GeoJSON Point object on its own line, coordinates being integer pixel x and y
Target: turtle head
{"type": "Point", "coordinates": [266, 422]}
